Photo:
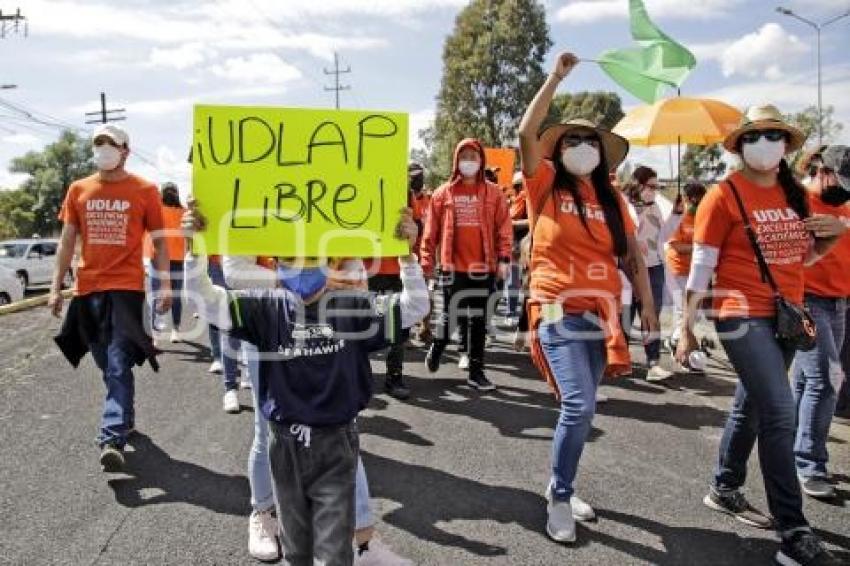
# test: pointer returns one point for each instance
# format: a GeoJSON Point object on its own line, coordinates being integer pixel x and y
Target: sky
{"type": "Point", "coordinates": [156, 58]}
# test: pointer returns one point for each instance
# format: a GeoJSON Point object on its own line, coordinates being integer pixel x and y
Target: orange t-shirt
{"type": "Point", "coordinates": [739, 290]}
{"type": "Point", "coordinates": [829, 276]}
{"type": "Point", "coordinates": [174, 240]}
{"type": "Point", "coordinates": [112, 218]}
{"type": "Point", "coordinates": [468, 252]}
{"type": "Point", "coordinates": [568, 264]}
{"type": "Point", "coordinates": [680, 263]}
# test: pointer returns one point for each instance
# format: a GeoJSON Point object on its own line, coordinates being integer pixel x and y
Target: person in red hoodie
{"type": "Point", "coordinates": [468, 219]}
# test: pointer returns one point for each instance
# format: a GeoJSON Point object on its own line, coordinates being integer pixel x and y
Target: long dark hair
{"type": "Point", "coordinates": [795, 193]}
{"type": "Point", "coordinates": [605, 194]}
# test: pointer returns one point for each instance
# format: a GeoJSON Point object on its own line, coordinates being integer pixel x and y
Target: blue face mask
{"type": "Point", "coordinates": [304, 282]}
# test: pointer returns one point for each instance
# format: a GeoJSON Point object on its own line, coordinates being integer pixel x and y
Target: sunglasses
{"type": "Point", "coordinates": [105, 141]}
{"type": "Point", "coordinates": [575, 140]}
{"type": "Point", "coordinates": [769, 135]}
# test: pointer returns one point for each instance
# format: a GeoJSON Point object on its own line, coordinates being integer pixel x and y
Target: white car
{"type": "Point", "coordinates": [10, 287]}
{"type": "Point", "coordinates": [32, 260]}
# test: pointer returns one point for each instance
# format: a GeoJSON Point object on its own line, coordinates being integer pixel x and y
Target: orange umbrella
{"type": "Point", "coordinates": [697, 121]}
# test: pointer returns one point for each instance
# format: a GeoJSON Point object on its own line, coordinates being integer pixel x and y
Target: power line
{"type": "Point", "coordinates": [104, 113]}
{"type": "Point", "coordinates": [336, 72]}
{"type": "Point", "coordinates": [12, 24]}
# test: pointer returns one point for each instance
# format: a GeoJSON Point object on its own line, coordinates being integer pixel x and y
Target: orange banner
{"type": "Point", "coordinates": [503, 158]}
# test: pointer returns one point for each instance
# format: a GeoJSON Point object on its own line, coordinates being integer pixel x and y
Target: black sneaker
{"type": "Point", "coordinates": [395, 387]}
{"type": "Point", "coordinates": [803, 548]}
{"type": "Point", "coordinates": [734, 503]}
{"type": "Point", "coordinates": [111, 458]}
{"type": "Point", "coordinates": [432, 359]}
{"type": "Point", "coordinates": [479, 381]}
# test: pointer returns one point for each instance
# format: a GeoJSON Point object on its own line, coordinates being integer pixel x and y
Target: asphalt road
{"type": "Point", "coordinates": [456, 476]}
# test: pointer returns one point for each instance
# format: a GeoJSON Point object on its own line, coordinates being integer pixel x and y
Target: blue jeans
{"type": "Point", "coordinates": [221, 344]}
{"type": "Point", "coordinates": [575, 351]}
{"type": "Point", "coordinates": [176, 274]}
{"type": "Point", "coordinates": [115, 361]}
{"type": "Point", "coordinates": [763, 409]}
{"type": "Point", "coordinates": [817, 377]}
{"type": "Point", "coordinates": [656, 283]}
{"type": "Point", "coordinates": [363, 517]}
{"type": "Point", "coordinates": [512, 287]}
{"type": "Point", "coordinates": [259, 472]}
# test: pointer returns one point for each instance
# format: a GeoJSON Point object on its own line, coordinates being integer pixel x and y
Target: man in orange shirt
{"type": "Point", "coordinates": [110, 211]}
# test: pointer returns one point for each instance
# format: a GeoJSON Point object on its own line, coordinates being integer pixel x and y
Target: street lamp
{"type": "Point", "coordinates": [818, 27]}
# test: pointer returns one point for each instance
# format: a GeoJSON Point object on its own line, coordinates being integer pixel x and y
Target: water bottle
{"type": "Point", "coordinates": [697, 360]}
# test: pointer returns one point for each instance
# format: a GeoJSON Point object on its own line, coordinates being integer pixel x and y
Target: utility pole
{"type": "Point", "coordinates": [104, 114]}
{"type": "Point", "coordinates": [337, 72]}
{"type": "Point", "coordinates": [818, 27]}
{"type": "Point", "coordinates": [12, 24]}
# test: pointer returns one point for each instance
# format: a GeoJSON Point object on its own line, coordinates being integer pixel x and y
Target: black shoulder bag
{"type": "Point", "coordinates": [795, 327]}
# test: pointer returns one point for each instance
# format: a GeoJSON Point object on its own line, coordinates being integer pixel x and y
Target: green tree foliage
{"type": "Point", "coordinates": [704, 163]}
{"type": "Point", "coordinates": [603, 108]}
{"type": "Point", "coordinates": [50, 172]}
{"type": "Point", "coordinates": [492, 67]}
{"type": "Point", "coordinates": [17, 219]}
{"type": "Point", "coordinates": [807, 120]}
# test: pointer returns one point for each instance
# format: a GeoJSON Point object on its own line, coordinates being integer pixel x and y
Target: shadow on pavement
{"type": "Point", "coordinates": [511, 410]}
{"type": "Point", "coordinates": [393, 429]}
{"type": "Point", "coordinates": [686, 417]}
{"type": "Point", "coordinates": [694, 546]}
{"type": "Point", "coordinates": [175, 481]}
{"type": "Point", "coordinates": [443, 498]}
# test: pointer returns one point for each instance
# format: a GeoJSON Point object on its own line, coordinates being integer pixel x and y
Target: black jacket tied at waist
{"type": "Point", "coordinates": [99, 318]}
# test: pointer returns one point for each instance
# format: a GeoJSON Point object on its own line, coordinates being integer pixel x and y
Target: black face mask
{"type": "Point", "coordinates": [417, 183]}
{"type": "Point", "coordinates": [834, 195]}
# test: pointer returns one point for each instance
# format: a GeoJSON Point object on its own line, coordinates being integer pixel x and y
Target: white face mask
{"type": "Point", "coordinates": [763, 155]}
{"type": "Point", "coordinates": [580, 160]}
{"type": "Point", "coordinates": [106, 157]}
{"type": "Point", "coordinates": [468, 168]}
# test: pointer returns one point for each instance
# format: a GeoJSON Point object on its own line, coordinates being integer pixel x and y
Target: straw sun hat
{"type": "Point", "coordinates": [614, 147]}
{"type": "Point", "coordinates": [767, 117]}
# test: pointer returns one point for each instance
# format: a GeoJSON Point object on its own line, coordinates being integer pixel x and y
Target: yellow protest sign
{"type": "Point", "coordinates": [299, 182]}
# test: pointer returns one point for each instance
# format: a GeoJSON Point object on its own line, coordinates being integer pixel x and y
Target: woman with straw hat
{"type": "Point", "coordinates": [579, 229]}
{"type": "Point", "coordinates": [764, 201]}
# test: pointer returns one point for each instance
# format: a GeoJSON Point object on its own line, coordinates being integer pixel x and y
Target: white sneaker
{"type": "Point", "coordinates": [231, 402]}
{"type": "Point", "coordinates": [463, 362]}
{"type": "Point", "coordinates": [379, 554]}
{"type": "Point", "coordinates": [215, 367]}
{"type": "Point", "coordinates": [582, 511]}
{"type": "Point", "coordinates": [175, 337]}
{"type": "Point", "coordinates": [561, 525]}
{"type": "Point", "coordinates": [658, 373]}
{"type": "Point", "coordinates": [244, 383]}
{"type": "Point", "coordinates": [262, 536]}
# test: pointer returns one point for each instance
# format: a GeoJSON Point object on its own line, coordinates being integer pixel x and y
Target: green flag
{"type": "Point", "coordinates": [659, 63]}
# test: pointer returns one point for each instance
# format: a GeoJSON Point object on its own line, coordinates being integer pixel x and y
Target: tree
{"type": "Point", "coordinates": [50, 172]}
{"type": "Point", "coordinates": [602, 108]}
{"type": "Point", "coordinates": [492, 67]}
{"type": "Point", "coordinates": [807, 121]}
{"type": "Point", "coordinates": [17, 219]}
{"type": "Point", "coordinates": [704, 163]}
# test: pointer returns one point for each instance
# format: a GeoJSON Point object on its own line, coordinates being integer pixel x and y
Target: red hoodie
{"type": "Point", "coordinates": [471, 224]}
